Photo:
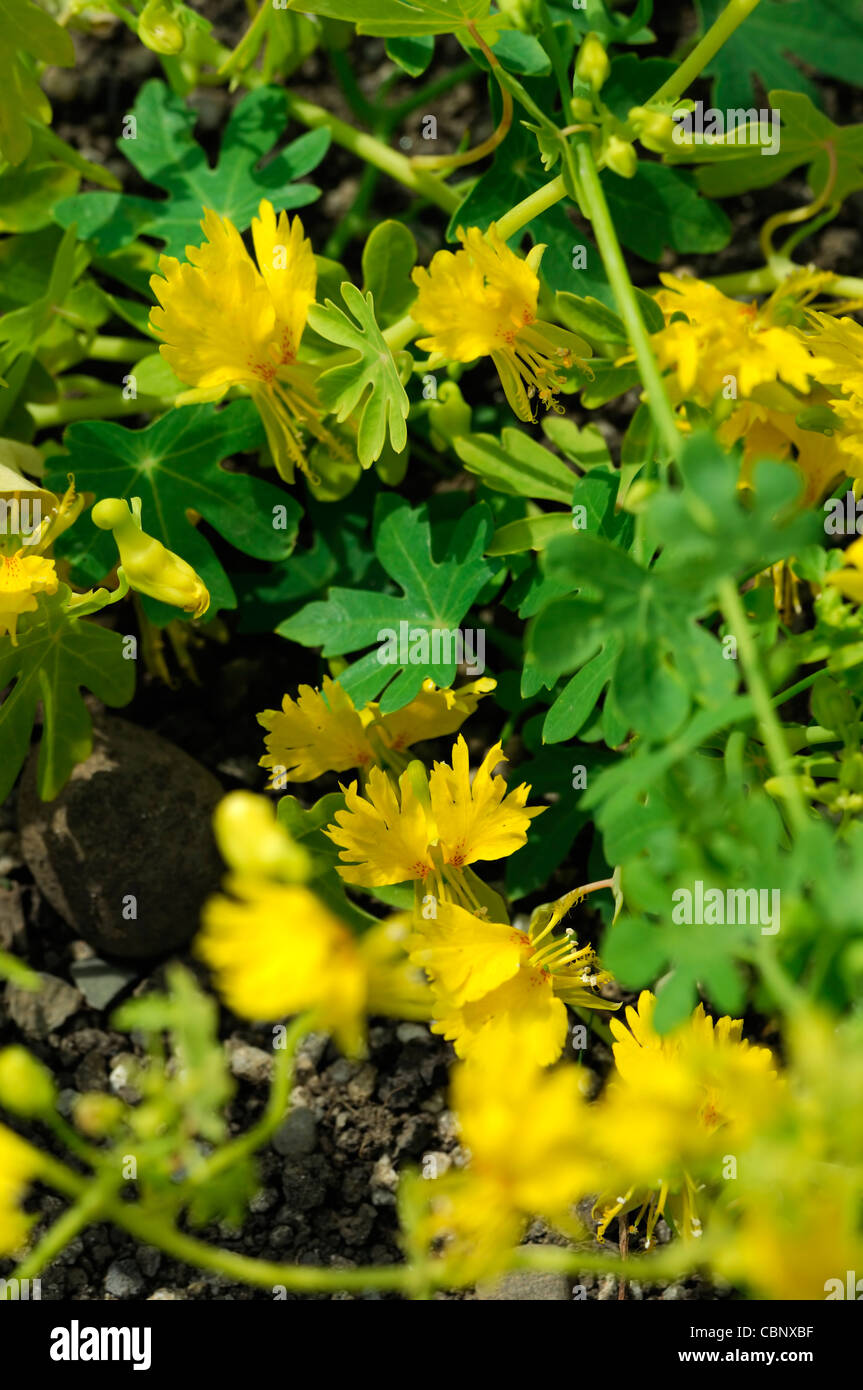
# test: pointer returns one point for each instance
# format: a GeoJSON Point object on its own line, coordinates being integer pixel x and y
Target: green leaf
{"type": "Point", "coordinates": [529, 533]}
{"type": "Point", "coordinates": [516, 465]}
{"type": "Point", "coordinates": [165, 153]}
{"type": "Point", "coordinates": [400, 19]}
{"type": "Point", "coordinates": [343, 389]}
{"type": "Point", "coordinates": [439, 569]}
{"type": "Point", "coordinates": [830, 152]}
{"type": "Point", "coordinates": [26, 31]}
{"type": "Point", "coordinates": [661, 207]}
{"type": "Point", "coordinates": [57, 655]}
{"type": "Point", "coordinates": [389, 256]}
{"type": "Point", "coordinates": [174, 466]}
{"type": "Point", "coordinates": [825, 34]}
{"type": "Point", "coordinates": [413, 54]}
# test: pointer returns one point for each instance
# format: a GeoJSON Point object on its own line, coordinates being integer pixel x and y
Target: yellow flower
{"type": "Point", "coordinates": [322, 731]}
{"type": "Point", "coordinates": [22, 577]}
{"type": "Point", "coordinates": [799, 1240]}
{"type": "Point", "coordinates": [391, 836]}
{"type": "Point", "coordinates": [721, 338]}
{"type": "Point", "coordinates": [482, 302]}
{"type": "Point", "coordinates": [147, 564]}
{"type": "Point", "coordinates": [19, 1164]}
{"type": "Point", "coordinates": [493, 980]}
{"type": "Point", "coordinates": [775, 434]}
{"type": "Point", "coordinates": [277, 949]}
{"type": "Point", "coordinates": [228, 322]}
{"type": "Point", "coordinates": [384, 835]}
{"type": "Point", "coordinates": [849, 579]}
{"type": "Point", "coordinates": [431, 714]}
{"type": "Point", "coordinates": [316, 733]}
{"type": "Point", "coordinates": [674, 1105]}
{"type": "Point", "coordinates": [522, 1127]}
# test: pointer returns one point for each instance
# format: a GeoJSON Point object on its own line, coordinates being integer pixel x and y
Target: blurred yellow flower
{"type": "Point", "coordinates": [672, 1108]}
{"type": "Point", "coordinates": [493, 980]}
{"type": "Point", "coordinates": [19, 1164]}
{"type": "Point", "coordinates": [22, 577]}
{"type": "Point", "coordinates": [482, 302]}
{"type": "Point", "coordinates": [522, 1127]}
{"type": "Point", "coordinates": [277, 949]}
{"type": "Point", "coordinates": [226, 321]}
{"type": "Point", "coordinates": [849, 579]}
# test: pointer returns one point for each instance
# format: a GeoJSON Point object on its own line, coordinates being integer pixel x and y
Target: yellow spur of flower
{"type": "Point", "coordinates": [226, 321]}
{"type": "Point", "coordinates": [19, 1164]}
{"type": "Point", "coordinates": [322, 731]}
{"type": "Point", "coordinates": [482, 301]}
{"type": "Point", "coordinates": [149, 566]}
{"type": "Point", "coordinates": [22, 577]}
{"type": "Point", "coordinates": [394, 835]}
{"type": "Point", "coordinates": [490, 979]}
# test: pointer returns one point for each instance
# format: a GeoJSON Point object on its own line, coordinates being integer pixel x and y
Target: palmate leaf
{"type": "Point", "coordinates": [825, 34]}
{"type": "Point", "coordinates": [436, 595]}
{"type": "Point", "coordinates": [57, 655]}
{"type": "Point", "coordinates": [165, 152]}
{"type": "Point", "coordinates": [26, 29]}
{"type": "Point", "coordinates": [636, 627]}
{"type": "Point", "coordinates": [830, 152]}
{"type": "Point", "coordinates": [370, 383]}
{"type": "Point", "coordinates": [174, 466]}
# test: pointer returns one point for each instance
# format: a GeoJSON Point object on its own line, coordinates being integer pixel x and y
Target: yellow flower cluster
{"type": "Point", "coordinates": [782, 376]}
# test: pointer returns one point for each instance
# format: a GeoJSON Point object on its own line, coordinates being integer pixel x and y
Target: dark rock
{"type": "Point", "coordinates": [297, 1136]}
{"type": "Point", "coordinates": [124, 1280]}
{"type": "Point", "coordinates": [129, 832]}
{"type": "Point", "coordinates": [100, 981]}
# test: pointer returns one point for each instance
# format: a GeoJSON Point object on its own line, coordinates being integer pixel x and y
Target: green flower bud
{"type": "Point", "coordinates": [592, 65]}
{"type": "Point", "coordinates": [620, 157]}
{"type": "Point", "coordinates": [159, 30]}
{"type": "Point", "coordinates": [655, 129]}
{"type": "Point", "coordinates": [26, 1086]}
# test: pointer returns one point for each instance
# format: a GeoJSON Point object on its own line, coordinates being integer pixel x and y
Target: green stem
{"type": "Point", "coordinates": [771, 729]}
{"type": "Point", "coordinates": [530, 207]}
{"type": "Point", "coordinates": [88, 1208]}
{"type": "Point", "coordinates": [396, 113]}
{"type": "Point", "coordinates": [374, 151]}
{"type": "Point", "coordinates": [101, 407]}
{"type": "Point", "coordinates": [793, 690]}
{"type": "Point", "coordinates": [719, 33]}
{"type": "Point", "coordinates": [277, 1105]}
{"type": "Point", "coordinates": [107, 349]}
{"type": "Point", "coordinates": [624, 294]}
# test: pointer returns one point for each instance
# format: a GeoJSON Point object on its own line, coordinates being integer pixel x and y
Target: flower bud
{"type": "Point", "coordinates": [148, 565]}
{"type": "Point", "coordinates": [252, 841]}
{"type": "Point", "coordinates": [655, 128]}
{"type": "Point", "coordinates": [26, 1086]}
{"type": "Point", "coordinates": [582, 110]}
{"type": "Point", "coordinates": [592, 65]}
{"type": "Point", "coordinates": [159, 29]}
{"type": "Point", "coordinates": [620, 157]}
